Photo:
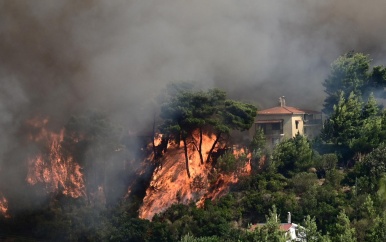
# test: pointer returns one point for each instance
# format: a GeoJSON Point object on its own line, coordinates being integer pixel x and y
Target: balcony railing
{"type": "Point", "coordinates": [312, 122]}
{"type": "Point", "coordinates": [273, 132]}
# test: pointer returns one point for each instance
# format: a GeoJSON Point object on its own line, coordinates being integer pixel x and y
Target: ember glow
{"type": "Point", "coordinates": [170, 183]}
{"type": "Point", "coordinates": [49, 167]}
{"type": "Point", "coordinates": [221, 185]}
{"type": "Point", "coordinates": [3, 206]}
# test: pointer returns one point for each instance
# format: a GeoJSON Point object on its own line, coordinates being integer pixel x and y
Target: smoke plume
{"type": "Point", "coordinates": [61, 57]}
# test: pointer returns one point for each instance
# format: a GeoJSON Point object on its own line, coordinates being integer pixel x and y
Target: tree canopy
{"type": "Point", "coordinates": [352, 73]}
{"type": "Point", "coordinates": [342, 126]}
{"type": "Point", "coordinates": [292, 155]}
{"type": "Point", "coordinates": [189, 111]}
{"type": "Point", "coordinates": [355, 125]}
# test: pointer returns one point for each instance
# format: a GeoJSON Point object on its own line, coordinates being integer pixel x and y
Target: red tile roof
{"type": "Point", "coordinates": [285, 227]}
{"type": "Point", "coordinates": [285, 110]}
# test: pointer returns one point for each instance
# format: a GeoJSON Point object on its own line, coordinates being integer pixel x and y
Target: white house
{"type": "Point", "coordinates": [285, 122]}
{"type": "Point", "coordinates": [292, 231]}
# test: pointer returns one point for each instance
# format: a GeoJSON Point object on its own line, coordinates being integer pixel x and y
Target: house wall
{"type": "Point", "coordinates": [313, 125]}
{"type": "Point", "coordinates": [289, 123]}
{"type": "Point", "coordinates": [310, 129]}
{"type": "Point", "coordinates": [300, 127]}
{"type": "Point", "coordinates": [289, 128]}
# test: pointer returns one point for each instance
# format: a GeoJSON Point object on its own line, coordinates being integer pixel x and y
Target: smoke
{"type": "Point", "coordinates": [62, 57]}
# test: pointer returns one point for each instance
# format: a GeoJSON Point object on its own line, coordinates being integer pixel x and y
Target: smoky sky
{"type": "Point", "coordinates": [61, 57]}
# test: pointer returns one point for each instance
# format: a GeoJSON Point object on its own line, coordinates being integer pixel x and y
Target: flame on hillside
{"type": "Point", "coordinates": [170, 183]}
{"type": "Point", "coordinates": [221, 185]}
{"type": "Point", "coordinates": [3, 206]}
{"type": "Point", "coordinates": [50, 167]}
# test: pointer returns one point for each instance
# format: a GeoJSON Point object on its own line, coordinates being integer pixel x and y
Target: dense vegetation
{"type": "Point", "coordinates": [188, 111]}
{"type": "Point", "coordinates": [334, 186]}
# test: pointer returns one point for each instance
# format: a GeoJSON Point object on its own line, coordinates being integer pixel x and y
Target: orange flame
{"type": "Point", "coordinates": [51, 168]}
{"type": "Point", "coordinates": [3, 206]}
{"type": "Point", "coordinates": [170, 184]}
{"type": "Point", "coordinates": [221, 186]}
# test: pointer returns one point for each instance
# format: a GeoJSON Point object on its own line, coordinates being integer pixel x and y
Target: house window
{"type": "Point", "coordinates": [308, 117]}
{"type": "Point", "coordinates": [276, 126]}
{"type": "Point", "coordinates": [297, 124]}
{"type": "Point", "coordinates": [261, 126]}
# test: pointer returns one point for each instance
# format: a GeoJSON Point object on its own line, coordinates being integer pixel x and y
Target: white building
{"type": "Point", "coordinates": [285, 122]}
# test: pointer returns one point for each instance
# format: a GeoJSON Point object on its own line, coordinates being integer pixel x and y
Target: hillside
{"type": "Point", "coordinates": [171, 185]}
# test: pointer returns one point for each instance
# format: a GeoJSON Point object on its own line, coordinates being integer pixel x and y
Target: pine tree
{"type": "Point", "coordinates": [271, 230]}
{"type": "Point", "coordinates": [292, 155]}
{"type": "Point", "coordinates": [371, 108]}
{"type": "Point", "coordinates": [343, 124]}
{"type": "Point", "coordinates": [349, 73]}
{"type": "Point", "coordinates": [310, 231]}
{"type": "Point", "coordinates": [343, 230]}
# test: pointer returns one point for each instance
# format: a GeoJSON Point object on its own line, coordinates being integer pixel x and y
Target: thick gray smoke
{"type": "Point", "coordinates": [60, 57]}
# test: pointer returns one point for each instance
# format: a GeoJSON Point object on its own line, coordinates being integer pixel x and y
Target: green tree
{"type": "Point", "coordinates": [372, 131]}
{"type": "Point", "coordinates": [354, 126]}
{"type": "Point", "coordinates": [271, 229]}
{"type": "Point", "coordinates": [366, 219]}
{"type": "Point", "coordinates": [292, 155]}
{"type": "Point", "coordinates": [370, 136]}
{"type": "Point", "coordinates": [232, 115]}
{"type": "Point", "coordinates": [377, 231]}
{"type": "Point", "coordinates": [342, 126]}
{"type": "Point", "coordinates": [259, 151]}
{"type": "Point", "coordinates": [371, 108]}
{"type": "Point", "coordinates": [191, 238]}
{"type": "Point", "coordinates": [190, 111]}
{"type": "Point", "coordinates": [310, 231]}
{"type": "Point", "coordinates": [303, 181]}
{"type": "Point", "coordinates": [179, 122]}
{"type": "Point", "coordinates": [343, 230]}
{"type": "Point", "coordinates": [333, 178]}
{"type": "Point", "coordinates": [381, 192]}
{"type": "Point", "coordinates": [258, 141]}
{"type": "Point", "coordinates": [374, 164]}
{"type": "Point", "coordinates": [206, 107]}
{"type": "Point", "coordinates": [378, 79]}
{"type": "Point", "coordinates": [372, 168]}
{"type": "Point", "coordinates": [229, 163]}
{"type": "Point", "coordinates": [328, 162]}
{"type": "Point", "coordinates": [349, 73]}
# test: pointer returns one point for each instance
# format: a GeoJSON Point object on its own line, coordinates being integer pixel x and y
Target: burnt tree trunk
{"type": "Point", "coordinates": [199, 147]}
{"type": "Point", "coordinates": [186, 156]}
{"type": "Point", "coordinates": [213, 146]}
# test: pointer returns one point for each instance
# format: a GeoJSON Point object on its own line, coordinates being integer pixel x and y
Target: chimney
{"type": "Point", "coordinates": [282, 101]}
{"type": "Point", "coordinates": [289, 217]}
